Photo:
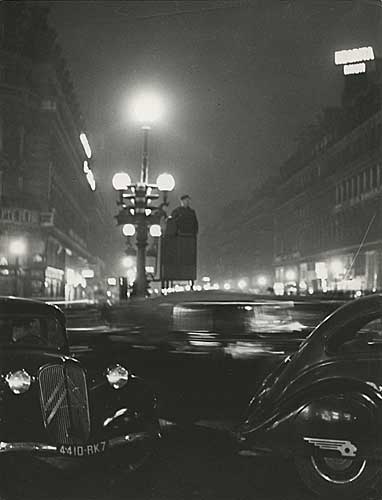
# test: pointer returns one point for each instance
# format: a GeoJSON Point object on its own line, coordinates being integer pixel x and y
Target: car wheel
{"type": "Point", "coordinates": [345, 478]}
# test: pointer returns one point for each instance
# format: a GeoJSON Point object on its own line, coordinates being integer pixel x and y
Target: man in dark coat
{"type": "Point", "coordinates": [185, 218]}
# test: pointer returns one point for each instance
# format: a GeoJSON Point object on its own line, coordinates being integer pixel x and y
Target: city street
{"type": "Point", "coordinates": [198, 463]}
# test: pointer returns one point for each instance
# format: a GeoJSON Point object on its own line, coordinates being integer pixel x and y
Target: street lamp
{"type": "Point", "coordinates": [137, 213]}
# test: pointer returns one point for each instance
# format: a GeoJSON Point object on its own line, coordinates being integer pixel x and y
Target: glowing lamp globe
{"type": "Point", "coordinates": [242, 284]}
{"type": "Point", "coordinates": [121, 181]}
{"type": "Point", "coordinates": [155, 230]}
{"type": "Point", "coordinates": [165, 182]}
{"type": "Point", "coordinates": [18, 247]}
{"type": "Point", "coordinates": [128, 229]}
{"type": "Point", "coordinates": [147, 108]}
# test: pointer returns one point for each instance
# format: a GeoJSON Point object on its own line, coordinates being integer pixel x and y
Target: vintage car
{"type": "Point", "coordinates": [205, 351]}
{"type": "Point", "coordinates": [57, 406]}
{"type": "Point", "coordinates": [322, 406]}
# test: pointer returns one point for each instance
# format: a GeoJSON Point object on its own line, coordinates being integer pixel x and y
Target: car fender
{"type": "Point", "coordinates": [344, 422]}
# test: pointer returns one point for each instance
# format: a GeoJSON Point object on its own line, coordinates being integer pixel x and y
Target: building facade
{"type": "Point", "coordinates": [52, 221]}
{"type": "Point", "coordinates": [328, 218]}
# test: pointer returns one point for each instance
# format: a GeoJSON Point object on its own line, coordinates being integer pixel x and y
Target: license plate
{"type": "Point", "coordinates": [86, 450]}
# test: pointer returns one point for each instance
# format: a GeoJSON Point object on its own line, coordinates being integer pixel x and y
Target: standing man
{"type": "Point", "coordinates": [184, 218]}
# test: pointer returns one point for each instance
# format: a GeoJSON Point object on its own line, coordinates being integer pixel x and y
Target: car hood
{"type": "Point", "coordinates": [31, 360]}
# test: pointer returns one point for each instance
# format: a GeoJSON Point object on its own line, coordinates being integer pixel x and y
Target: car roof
{"type": "Point", "coordinates": [220, 296]}
{"type": "Point", "coordinates": [16, 305]}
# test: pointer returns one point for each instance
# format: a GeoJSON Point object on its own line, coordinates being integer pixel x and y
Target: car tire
{"type": "Point", "coordinates": [348, 479]}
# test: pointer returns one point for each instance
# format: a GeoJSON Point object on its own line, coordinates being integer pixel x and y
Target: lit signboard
{"type": "Point", "coordinates": [354, 69]}
{"type": "Point", "coordinates": [354, 55]}
{"type": "Point", "coordinates": [85, 145]}
{"type": "Point", "coordinates": [87, 273]}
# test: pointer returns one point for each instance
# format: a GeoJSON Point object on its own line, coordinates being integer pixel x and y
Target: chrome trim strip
{"type": "Point", "coordinates": [48, 448]}
{"type": "Point", "coordinates": [134, 437]}
{"type": "Point", "coordinates": [38, 447]}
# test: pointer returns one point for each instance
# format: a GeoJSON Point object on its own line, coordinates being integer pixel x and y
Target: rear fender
{"type": "Point", "coordinates": [338, 424]}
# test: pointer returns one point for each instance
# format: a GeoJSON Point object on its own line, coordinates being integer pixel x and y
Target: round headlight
{"type": "Point", "coordinates": [117, 376]}
{"type": "Point", "coordinates": [19, 381]}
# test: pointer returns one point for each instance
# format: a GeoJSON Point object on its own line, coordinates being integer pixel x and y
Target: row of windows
{"type": "Point", "coordinates": [364, 182]}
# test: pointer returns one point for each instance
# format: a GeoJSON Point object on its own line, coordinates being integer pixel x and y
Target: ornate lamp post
{"type": "Point", "coordinates": [137, 213]}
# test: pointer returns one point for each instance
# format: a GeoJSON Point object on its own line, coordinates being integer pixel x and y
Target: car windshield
{"type": "Point", "coordinates": [32, 331]}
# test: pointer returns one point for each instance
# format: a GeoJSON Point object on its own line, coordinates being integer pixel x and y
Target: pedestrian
{"type": "Point", "coordinates": [185, 218]}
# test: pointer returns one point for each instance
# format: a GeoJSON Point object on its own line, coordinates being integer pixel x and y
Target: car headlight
{"type": "Point", "coordinates": [117, 376]}
{"type": "Point", "coordinates": [19, 381]}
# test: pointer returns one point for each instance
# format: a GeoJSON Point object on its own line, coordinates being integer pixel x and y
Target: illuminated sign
{"type": "Point", "coordinates": [85, 144]}
{"type": "Point", "coordinates": [354, 55]}
{"type": "Point", "coordinates": [91, 180]}
{"type": "Point", "coordinates": [354, 69]}
{"type": "Point", "coordinates": [87, 273]}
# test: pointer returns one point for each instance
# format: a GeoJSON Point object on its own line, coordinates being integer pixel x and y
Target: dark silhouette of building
{"type": "Point", "coordinates": [51, 220]}
{"type": "Point", "coordinates": [328, 219]}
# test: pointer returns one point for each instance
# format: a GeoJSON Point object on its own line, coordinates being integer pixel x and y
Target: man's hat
{"type": "Point", "coordinates": [185, 196]}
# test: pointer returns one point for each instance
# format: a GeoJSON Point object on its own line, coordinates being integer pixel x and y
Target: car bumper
{"type": "Point", "coordinates": [52, 450]}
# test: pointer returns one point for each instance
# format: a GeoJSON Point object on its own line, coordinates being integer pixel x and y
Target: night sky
{"type": "Point", "coordinates": [240, 80]}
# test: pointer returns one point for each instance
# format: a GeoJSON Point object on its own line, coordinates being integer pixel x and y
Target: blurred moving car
{"type": "Point", "coordinates": [55, 405]}
{"type": "Point", "coordinates": [206, 351]}
{"type": "Point", "coordinates": [323, 406]}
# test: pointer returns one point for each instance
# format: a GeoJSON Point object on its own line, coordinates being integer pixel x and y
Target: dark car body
{"type": "Point", "coordinates": [206, 351]}
{"type": "Point", "coordinates": [323, 405]}
{"type": "Point", "coordinates": [56, 405]}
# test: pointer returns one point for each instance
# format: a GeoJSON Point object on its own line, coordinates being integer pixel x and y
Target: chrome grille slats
{"type": "Point", "coordinates": [78, 401]}
{"type": "Point", "coordinates": [64, 403]}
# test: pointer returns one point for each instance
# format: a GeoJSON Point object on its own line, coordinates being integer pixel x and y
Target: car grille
{"type": "Point", "coordinates": [64, 403]}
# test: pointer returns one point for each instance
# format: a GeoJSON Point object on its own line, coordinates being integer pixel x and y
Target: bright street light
{"type": "Point", "coordinates": [242, 284]}
{"type": "Point", "coordinates": [121, 181]}
{"type": "Point", "coordinates": [165, 182]}
{"type": "Point", "coordinates": [128, 229]}
{"type": "Point", "coordinates": [18, 247]}
{"type": "Point", "coordinates": [147, 108]}
{"type": "Point", "coordinates": [155, 230]}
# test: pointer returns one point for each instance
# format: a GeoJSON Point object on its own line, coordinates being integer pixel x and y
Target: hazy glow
{"type": "Point", "coordinates": [131, 275]}
{"type": "Point", "coordinates": [354, 69]}
{"type": "Point", "coordinates": [206, 279]}
{"type": "Point", "coordinates": [147, 108]}
{"type": "Point", "coordinates": [227, 286]}
{"type": "Point", "coordinates": [290, 275]}
{"type": "Point", "coordinates": [111, 281]}
{"type": "Point", "coordinates": [128, 229]}
{"type": "Point", "coordinates": [336, 267]}
{"type": "Point", "coordinates": [128, 261]}
{"type": "Point", "coordinates": [165, 182]}
{"type": "Point", "coordinates": [261, 280]}
{"type": "Point", "coordinates": [155, 230]}
{"type": "Point", "coordinates": [18, 247]}
{"type": "Point", "coordinates": [354, 55]}
{"type": "Point", "coordinates": [85, 145]}
{"type": "Point", "coordinates": [121, 180]}
{"type": "Point", "coordinates": [242, 284]}
{"type": "Point", "coordinates": [278, 288]}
